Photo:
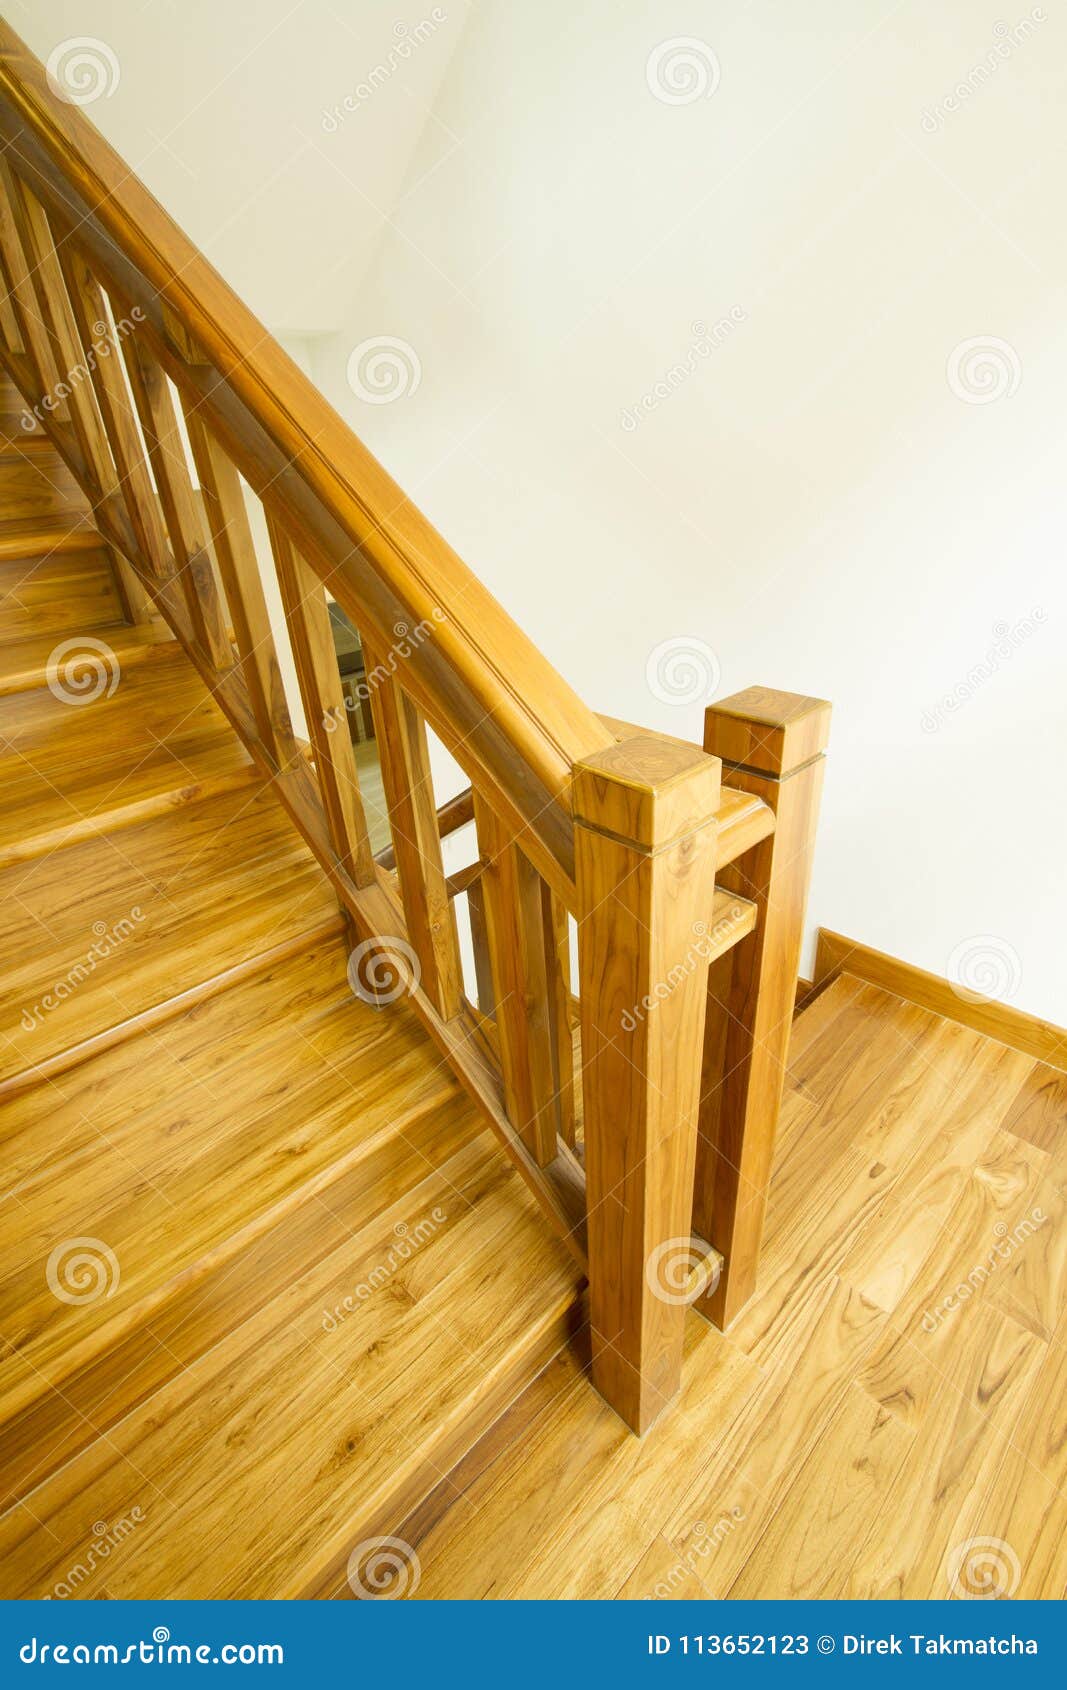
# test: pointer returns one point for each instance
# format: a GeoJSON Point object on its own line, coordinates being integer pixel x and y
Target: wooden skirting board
{"type": "Point", "coordinates": [1027, 1033]}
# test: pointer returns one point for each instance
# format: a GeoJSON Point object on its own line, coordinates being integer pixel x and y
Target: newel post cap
{"type": "Point", "coordinates": [766, 730]}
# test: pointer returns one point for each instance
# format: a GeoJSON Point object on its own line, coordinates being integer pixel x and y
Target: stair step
{"type": "Point", "coordinates": [75, 764]}
{"type": "Point", "coordinates": [24, 663]}
{"type": "Point", "coordinates": [263, 1462]}
{"type": "Point", "coordinates": [47, 535]}
{"type": "Point", "coordinates": [246, 1119]}
{"type": "Point", "coordinates": [122, 926]}
{"type": "Point", "coordinates": [35, 485]}
{"type": "Point", "coordinates": [65, 590]}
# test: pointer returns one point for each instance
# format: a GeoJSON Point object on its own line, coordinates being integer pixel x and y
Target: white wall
{"type": "Point", "coordinates": [816, 501]}
{"type": "Point", "coordinates": [232, 111]}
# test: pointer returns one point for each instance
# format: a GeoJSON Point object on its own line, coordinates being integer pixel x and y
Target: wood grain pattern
{"type": "Point", "coordinates": [523, 994]}
{"type": "Point", "coordinates": [774, 743]}
{"type": "Point", "coordinates": [408, 782]}
{"type": "Point", "coordinates": [1042, 1040]}
{"type": "Point", "coordinates": [645, 836]}
{"type": "Point", "coordinates": [828, 1446]}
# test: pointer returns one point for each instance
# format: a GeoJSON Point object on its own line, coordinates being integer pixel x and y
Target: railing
{"type": "Point", "coordinates": [639, 1101]}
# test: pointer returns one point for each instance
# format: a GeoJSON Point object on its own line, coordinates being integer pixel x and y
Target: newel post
{"type": "Point", "coordinates": [645, 829]}
{"type": "Point", "coordinates": [771, 744]}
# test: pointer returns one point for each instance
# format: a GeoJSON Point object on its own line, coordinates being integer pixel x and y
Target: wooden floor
{"type": "Point", "coordinates": [865, 1419]}
{"type": "Point", "coordinates": [268, 1291]}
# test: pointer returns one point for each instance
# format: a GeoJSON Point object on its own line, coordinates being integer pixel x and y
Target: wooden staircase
{"type": "Point", "coordinates": [261, 1246]}
{"type": "Point", "coordinates": [288, 1281]}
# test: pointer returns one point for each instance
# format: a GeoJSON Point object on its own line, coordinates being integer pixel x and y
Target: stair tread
{"type": "Point", "coordinates": [24, 663]}
{"type": "Point", "coordinates": [74, 764]}
{"type": "Point", "coordinates": [265, 1456]}
{"type": "Point", "coordinates": [56, 589]}
{"type": "Point", "coordinates": [28, 537]}
{"type": "Point", "coordinates": [223, 1133]}
{"type": "Point", "coordinates": [172, 901]}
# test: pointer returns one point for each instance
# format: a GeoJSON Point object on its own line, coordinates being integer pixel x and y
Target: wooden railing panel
{"type": "Point", "coordinates": [622, 835]}
{"type": "Point", "coordinates": [231, 537]}
{"type": "Point", "coordinates": [308, 620]}
{"type": "Point", "coordinates": [406, 778]}
{"type": "Point", "coordinates": [515, 933]}
{"type": "Point", "coordinates": [93, 317]}
{"type": "Point", "coordinates": [482, 685]}
{"type": "Point", "coordinates": [557, 944]}
{"type": "Point", "coordinates": [22, 292]}
{"type": "Point", "coordinates": [182, 511]}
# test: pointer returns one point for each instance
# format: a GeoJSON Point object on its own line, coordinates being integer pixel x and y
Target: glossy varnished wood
{"type": "Point", "coordinates": [852, 1432]}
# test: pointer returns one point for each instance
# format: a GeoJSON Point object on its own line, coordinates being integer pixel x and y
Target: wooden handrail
{"type": "Point", "coordinates": [481, 683]}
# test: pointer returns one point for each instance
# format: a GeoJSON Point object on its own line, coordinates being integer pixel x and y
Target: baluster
{"type": "Point", "coordinates": [181, 511]}
{"type": "Point", "coordinates": [19, 267]}
{"type": "Point", "coordinates": [483, 968]}
{"type": "Point", "coordinates": [405, 765]}
{"type": "Point", "coordinates": [55, 340]}
{"type": "Point", "coordinates": [557, 942]}
{"type": "Point", "coordinates": [100, 342]}
{"type": "Point", "coordinates": [771, 744]}
{"type": "Point", "coordinates": [645, 855]}
{"type": "Point", "coordinates": [231, 536]}
{"type": "Point", "coordinates": [511, 891]}
{"type": "Point", "coordinates": [308, 621]}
